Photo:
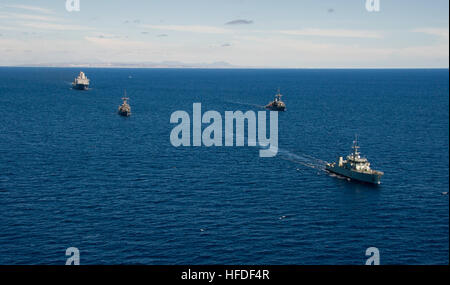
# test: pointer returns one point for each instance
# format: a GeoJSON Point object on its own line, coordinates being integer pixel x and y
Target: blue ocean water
{"type": "Point", "coordinates": [75, 174]}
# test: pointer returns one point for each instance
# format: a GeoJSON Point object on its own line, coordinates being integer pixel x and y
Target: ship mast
{"type": "Point", "coordinates": [125, 98]}
{"type": "Point", "coordinates": [355, 146]}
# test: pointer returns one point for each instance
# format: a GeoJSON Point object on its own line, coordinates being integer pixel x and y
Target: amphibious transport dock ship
{"type": "Point", "coordinates": [355, 167]}
{"type": "Point", "coordinates": [277, 104]}
{"type": "Point", "coordinates": [81, 82]}
{"type": "Point", "coordinates": [124, 109]}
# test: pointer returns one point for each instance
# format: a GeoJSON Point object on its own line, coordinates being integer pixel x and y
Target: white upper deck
{"type": "Point", "coordinates": [82, 79]}
{"type": "Point", "coordinates": [356, 162]}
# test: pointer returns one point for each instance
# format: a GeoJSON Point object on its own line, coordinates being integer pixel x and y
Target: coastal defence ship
{"type": "Point", "coordinates": [125, 109]}
{"type": "Point", "coordinates": [355, 167]}
{"type": "Point", "coordinates": [277, 104]}
{"type": "Point", "coordinates": [81, 82]}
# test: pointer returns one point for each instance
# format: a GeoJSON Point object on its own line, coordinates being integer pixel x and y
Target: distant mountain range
{"type": "Point", "coordinates": [163, 64]}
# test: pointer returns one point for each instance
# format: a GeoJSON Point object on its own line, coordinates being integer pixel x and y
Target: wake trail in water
{"type": "Point", "coordinates": [300, 158]}
{"type": "Point", "coordinates": [246, 104]}
{"type": "Point", "coordinates": [303, 159]}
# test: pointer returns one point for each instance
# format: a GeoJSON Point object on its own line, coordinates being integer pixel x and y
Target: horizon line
{"type": "Point", "coordinates": [203, 67]}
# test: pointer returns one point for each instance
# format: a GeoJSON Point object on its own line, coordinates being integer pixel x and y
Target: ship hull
{"type": "Point", "coordinates": [362, 177]}
{"type": "Point", "coordinates": [80, 86]}
{"type": "Point", "coordinates": [279, 109]}
{"type": "Point", "coordinates": [124, 114]}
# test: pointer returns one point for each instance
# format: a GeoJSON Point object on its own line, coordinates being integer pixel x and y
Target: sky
{"type": "Point", "coordinates": [243, 33]}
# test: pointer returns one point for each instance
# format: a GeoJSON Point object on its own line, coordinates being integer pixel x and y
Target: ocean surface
{"type": "Point", "coordinates": [75, 174]}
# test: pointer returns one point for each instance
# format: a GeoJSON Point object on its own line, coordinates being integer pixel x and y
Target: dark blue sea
{"type": "Point", "coordinates": [75, 174]}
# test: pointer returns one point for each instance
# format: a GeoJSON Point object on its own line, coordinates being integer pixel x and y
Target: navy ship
{"type": "Point", "coordinates": [125, 109]}
{"type": "Point", "coordinates": [81, 82]}
{"type": "Point", "coordinates": [277, 104]}
{"type": "Point", "coordinates": [355, 167]}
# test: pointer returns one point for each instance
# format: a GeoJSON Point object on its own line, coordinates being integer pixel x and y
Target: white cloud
{"type": "Point", "coordinates": [334, 33]}
{"type": "Point", "coordinates": [431, 51]}
{"type": "Point", "coordinates": [280, 51]}
{"type": "Point", "coordinates": [257, 51]}
{"type": "Point", "coordinates": [30, 8]}
{"type": "Point", "coordinates": [440, 32]}
{"type": "Point", "coordinates": [8, 28]}
{"type": "Point", "coordinates": [53, 26]}
{"type": "Point", "coordinates": [189, 28]}
{"type": "Point", "coordinates": [117, 44]}
{"type": "Point", "coordinates": [16, 16]}
{"type": "Point", "coordinates": [271, 49]}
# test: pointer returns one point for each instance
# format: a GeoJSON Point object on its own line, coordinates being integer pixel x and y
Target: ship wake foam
{"type": "Point", "coordinates": [246, 104]}
{"type": "Point", "coordinates": [302, 159]}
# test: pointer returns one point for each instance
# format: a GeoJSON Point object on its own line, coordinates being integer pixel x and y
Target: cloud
{"type": "Point", "coordinates": [162, 35]}
{"type": "Point", "coordinates": [17, 16]}
{"type": "Point", "coordinates": [108, 36]}
{"type": "Point", "coordinates": [116, 44]}
{"type": "Point", "coordinates": [440, 32]}
{"type": "Point", "coordinates": [31, 8]}
{"type": "Point", "coordinates": [334, 33]}
{"type": "Point", "coordinates": [226, 45]}
{"type": "Point", "coordinates": [52, 26]}
{"type": "Point", "coordinates": [239, 22]}
{"type": "Point", "coordinates": [190, 29]}
{"type": "Point", "coordinates": [137, 21]}
{"type": "Point", "coordinates": [246, 50]}
{"type": "Point", "coordinates": [306, 52]}
{"type": "Point", "coordinates": [331, 10]}
{"type": "Point", "coordinates": [6, 28]}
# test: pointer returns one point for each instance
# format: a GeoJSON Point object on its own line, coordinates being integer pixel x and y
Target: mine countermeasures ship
{"type": "Point", "coordinates": [124, 109]}
{"type": "Point", "coordinates": [81, 82]}
{"type": "Point", "coordinates": [277, 104]}
{"type": "Point", "coordinates": [355, 167]}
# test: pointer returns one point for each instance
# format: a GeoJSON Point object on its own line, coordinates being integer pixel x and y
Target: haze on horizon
{"type": "Point", "coordinates": [245, 33]}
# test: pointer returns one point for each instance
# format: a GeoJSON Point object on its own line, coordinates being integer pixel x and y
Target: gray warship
{"type": "Point", "coordinates": [277, 104]}
{"type": "Point", "coordinates": [355, 167]}
{"type": "Point", "coordinates": [125, 109]}
{"type": "Point", "coordinates": [81, 82]}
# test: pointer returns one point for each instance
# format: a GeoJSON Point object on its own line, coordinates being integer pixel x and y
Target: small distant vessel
{"type": "Point", "coordinates": [277, 104]}
{"type": "Point", "coordinates": [125, 109]}
{"type": "Point", "coordinates": [81, 82]}
{"type": "Point", "coordinates": [355, 167]}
